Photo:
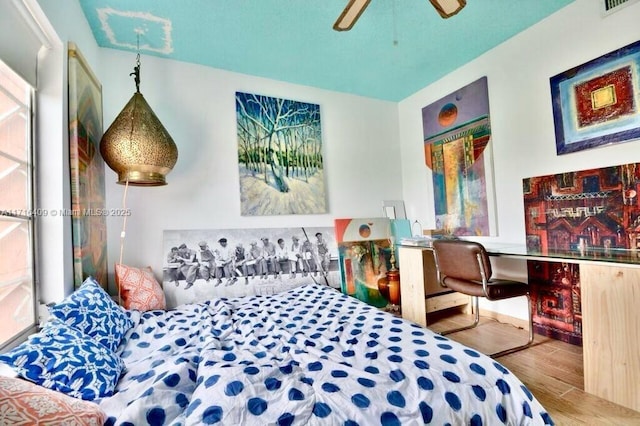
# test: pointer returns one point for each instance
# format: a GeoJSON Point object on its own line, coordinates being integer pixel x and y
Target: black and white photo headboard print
{"type": "Point", "coordinates": [202, 264]}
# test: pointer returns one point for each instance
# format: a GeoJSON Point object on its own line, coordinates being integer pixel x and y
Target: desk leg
{"type": "Point", "coordinates": [611, 332]}
{"type": "Point", "coordinates": [418, 280]}
{"type": "Point", "coordinates": [414, 269]}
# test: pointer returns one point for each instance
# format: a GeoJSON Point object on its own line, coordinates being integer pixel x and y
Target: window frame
{"type": "Point", "coordinates": [30, 218]}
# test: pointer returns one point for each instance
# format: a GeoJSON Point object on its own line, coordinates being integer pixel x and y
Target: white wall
{"type": "Point", "coordinates": [196, 104]}
{"type": "Point", "coordinates": [518, 73]}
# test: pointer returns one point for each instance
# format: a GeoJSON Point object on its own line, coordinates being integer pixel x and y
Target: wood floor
{"type": "Point", "coordinates": [551, 369]}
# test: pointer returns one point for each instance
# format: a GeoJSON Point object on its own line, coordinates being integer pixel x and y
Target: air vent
{"type": "Point", "coordinates": [610, 6]}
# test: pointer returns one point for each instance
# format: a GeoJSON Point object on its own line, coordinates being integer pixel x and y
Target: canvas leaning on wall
{"type": "Point", "coordinates": [89, 226]}
{"type": "Point", "coordinates": [364, 247]}
{"type": "Point", "coordinates": [594, 211]}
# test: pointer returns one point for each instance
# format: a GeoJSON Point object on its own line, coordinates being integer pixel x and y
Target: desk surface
{"type": "Point", "coordinates": [592, 255]}
{"type": "Point", "coordinates": [617, 256]}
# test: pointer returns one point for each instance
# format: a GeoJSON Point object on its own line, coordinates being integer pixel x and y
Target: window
{"type": "Point", "coordinates": [17, 283]}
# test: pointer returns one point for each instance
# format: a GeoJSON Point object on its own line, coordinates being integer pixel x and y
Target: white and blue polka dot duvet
{"type": "Point", "coordinates": [310, 356]}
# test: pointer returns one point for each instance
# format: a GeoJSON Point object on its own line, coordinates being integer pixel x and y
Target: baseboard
{"type": "Point", "coordinates": [507, 319]}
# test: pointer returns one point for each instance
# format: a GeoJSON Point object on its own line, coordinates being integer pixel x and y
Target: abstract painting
{"type": "Point", "coordinates": [364, 251]}
{"type": "Point", "coordinates": [594, 212]}
{"type": "Point", "coordinates": [280, 158]}
{"type": "Point", "coordinates": [457, 148]}
{"type": "Point", "coordinates": [201, 264]}
{"type": "Point", "coordinates": [598, 103]}
{"type": "Point", "coordinates": [556, 300]}
{"type": "Point", "coordinates": [87, 172]}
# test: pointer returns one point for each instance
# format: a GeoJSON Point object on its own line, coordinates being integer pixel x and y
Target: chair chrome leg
{"type": "Point", "coordinates": [526, 345]}
{"type": "Point", "coordinates": [476, 309]}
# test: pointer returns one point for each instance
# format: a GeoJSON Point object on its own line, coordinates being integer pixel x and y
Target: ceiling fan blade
{"type": "Point", "coordinates": [448, 8]}
{"type": "Point", "coordinates": [350, 14]}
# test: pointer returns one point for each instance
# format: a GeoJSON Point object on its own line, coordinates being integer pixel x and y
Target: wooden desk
{"type": "Point", "coordinates": [420, 291]}
{"type": "Point", "coordinates": [611, 332]}
{"type": "Point", "coordinates": [610, 289]}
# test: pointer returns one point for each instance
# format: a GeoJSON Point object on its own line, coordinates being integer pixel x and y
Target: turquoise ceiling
{"type": "Point", "coordinates": [396, 48]}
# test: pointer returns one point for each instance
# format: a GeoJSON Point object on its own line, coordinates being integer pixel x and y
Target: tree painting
{"type": "Point", "coordinates": [279, 156]}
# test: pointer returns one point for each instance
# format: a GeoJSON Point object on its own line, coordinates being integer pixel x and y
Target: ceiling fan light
{"type": "Point", "coordinates": [448, 8]}
{"type": "Point", "coordinates": [350, 14]}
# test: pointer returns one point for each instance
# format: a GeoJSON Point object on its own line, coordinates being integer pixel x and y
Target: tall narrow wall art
{"type": "Point", "coordinates": [457, 147]}
{"type": "Point", "coordinates": [280, 160]}
{"type": "Point", "coordinates": [89, 226]}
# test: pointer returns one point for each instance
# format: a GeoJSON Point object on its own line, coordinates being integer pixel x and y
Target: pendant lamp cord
{"type": "Point", "coordinates": [123, 233]}
{"type": "Point", "coordinates": [136, 69]}
{"type": "Point", "coordinates": [136, 75]}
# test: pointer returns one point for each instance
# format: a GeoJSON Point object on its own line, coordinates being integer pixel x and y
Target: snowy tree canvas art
{"type": "Point", "coordinates": [280, 160]}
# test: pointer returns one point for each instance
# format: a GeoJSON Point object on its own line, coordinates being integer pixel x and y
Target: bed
{"type": "Point", "coordinates": [307, 356]}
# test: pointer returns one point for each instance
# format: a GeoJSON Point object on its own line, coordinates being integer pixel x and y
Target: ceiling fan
{"type": "Point", "coordinates": [351, 13]}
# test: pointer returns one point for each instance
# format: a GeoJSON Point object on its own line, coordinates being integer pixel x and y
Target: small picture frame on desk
{"type": "Point", "coordinates": [394, 209]}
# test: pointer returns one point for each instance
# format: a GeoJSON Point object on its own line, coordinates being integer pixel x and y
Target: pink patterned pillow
{"type": "Point", "coordinates": [139, 288]}
{"type": "Point", "coordinates": [25, 403]}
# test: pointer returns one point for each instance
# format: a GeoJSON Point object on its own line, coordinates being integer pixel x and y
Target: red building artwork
{"type": "Point", "coordinates": [555, 300]}
{"type": "Point", "coordinates": [589, 212]}
{"type": "Point", "coordinates": [595, 211]}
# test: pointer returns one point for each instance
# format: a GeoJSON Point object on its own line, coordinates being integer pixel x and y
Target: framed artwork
{"type": "Point", "coordinates": [556, 300]}
{"type": "Point", "coordinates": [87, 171]}
{"type": "Point", "coordinates": [364, 249]}
{"type": "Point", "coordinates": [206, 263]}
{"type": "Point", "coordinates": [280, 159]}
{"type": "Point", "coordinates": [597, 103]}
{"type": "Point", "coordinates": [457, 148]}
{"type": "Point", "coordinates": [592, 211]}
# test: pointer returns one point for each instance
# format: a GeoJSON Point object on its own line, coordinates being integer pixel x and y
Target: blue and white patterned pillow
{"type": "Point", "coordinates": [91, 310]}
{"type": "Point", "coordinates": [64, 359]}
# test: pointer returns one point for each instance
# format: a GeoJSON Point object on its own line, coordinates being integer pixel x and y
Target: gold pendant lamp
{"type": "Point", "coordinates": [137, 146]}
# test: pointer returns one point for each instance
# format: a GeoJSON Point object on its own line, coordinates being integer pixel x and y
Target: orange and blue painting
{"type": "Point", "coordinates": [457, 147]}
{"type": "Point", "coordinates": [364, 252]}
{"type": "Point", "coordinates": [87, 172]}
